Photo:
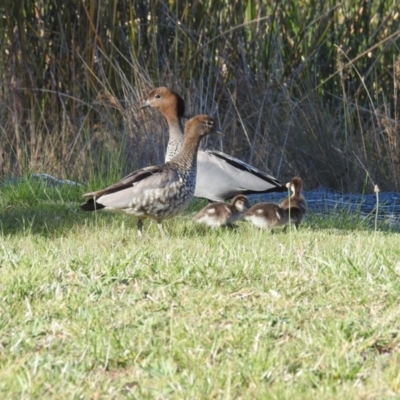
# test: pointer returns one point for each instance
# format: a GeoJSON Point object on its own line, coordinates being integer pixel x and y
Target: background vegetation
{"type": "Point", "coordinates": [306, 87]}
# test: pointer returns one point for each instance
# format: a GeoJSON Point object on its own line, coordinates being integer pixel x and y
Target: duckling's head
{"type": "Point", "coordinates": [241, 203]}
{"type": "Point", "coordinates": [295, 185]}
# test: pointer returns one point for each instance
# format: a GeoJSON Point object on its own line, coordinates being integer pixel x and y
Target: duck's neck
{"type": "Point", "coordinates": [297, 193]}
{"type": "Point", "coordinates": [187, 156]}
{"type": "Point", "coordinates": [176, 138]}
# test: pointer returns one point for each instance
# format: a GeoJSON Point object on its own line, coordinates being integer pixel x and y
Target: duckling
{"type": "Point", "coordinates": [266, 215]}
{"type": "Point", "coordinates": [295, 205]}
{"type": "Point", "coordinates": [223, 214]}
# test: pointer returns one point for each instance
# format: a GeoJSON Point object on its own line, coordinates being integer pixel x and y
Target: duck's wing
{"type": "Point", "coordinates": [121, 194]}
{"type": "Point", "coordinates": [239, 164]}
{"type": "Point", "coordinates": [127, 181]}
{"type": "Point", "coordinates": [221, 177]}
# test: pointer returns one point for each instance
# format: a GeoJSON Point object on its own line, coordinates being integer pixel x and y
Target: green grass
{"type": "Point", "coordinates": [90, 311]}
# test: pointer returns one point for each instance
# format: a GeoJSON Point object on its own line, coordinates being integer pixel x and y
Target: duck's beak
{"type": "Point", "coordinates": [145, 104]}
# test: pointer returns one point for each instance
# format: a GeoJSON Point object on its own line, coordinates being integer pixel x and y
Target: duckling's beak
{"type": "Point", "coordinates": [288, 185]}
{"type": "Point", "coordinates": [145, 104]}
{"type": "Point", "coordinates": [219, 132]}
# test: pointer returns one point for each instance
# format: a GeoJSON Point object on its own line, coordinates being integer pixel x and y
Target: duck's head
{"type": "Point", "coordinates": [200, 126]}
{"type": "Point", "coordinates": [166, 101]}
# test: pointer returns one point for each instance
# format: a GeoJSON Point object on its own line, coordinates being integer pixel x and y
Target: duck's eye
{"type": "Point", "coordinates": [209, 123]}
{"type": "Point", "coordinates": [158, 96]}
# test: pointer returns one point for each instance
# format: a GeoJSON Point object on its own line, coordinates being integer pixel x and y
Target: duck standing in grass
{"type": "Point", "coordinates": [223, 214]}
{"type": "Point", "coordinates": [295, 205]}
{"type": "Point", "coordinates": [219, 176]}
{"type": "Point", "coordinates": [157, 192]}
{"type": "Point", "coordinates": [266, 215]}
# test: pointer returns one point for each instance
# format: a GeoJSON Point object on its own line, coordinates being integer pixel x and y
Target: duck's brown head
{"type": "Point", "coordinates": [200, 126]}
{"type": "Point", "coordinates": [166, 101]}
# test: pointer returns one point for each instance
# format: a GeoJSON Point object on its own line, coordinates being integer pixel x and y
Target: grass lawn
{"type": "Point", "coordinates": [88, 310]}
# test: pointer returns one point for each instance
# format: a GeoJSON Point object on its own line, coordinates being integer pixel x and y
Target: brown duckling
{"type": "Point", "coordinates": [295, 205]}
{"type": "Point", "coordinates": [223, 214]}
{"type": "Point", "coordinates": [266, 215]}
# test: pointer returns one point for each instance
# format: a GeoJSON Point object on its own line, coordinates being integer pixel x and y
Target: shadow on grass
{"type": "Point", "coordinates": [52, 219]}
{"type": "Point", "coordinates": [46, 220]}
{"type": "Point", "coordinates": [37, 208]}
{"type": "Point", "coordinates": [31, 206]}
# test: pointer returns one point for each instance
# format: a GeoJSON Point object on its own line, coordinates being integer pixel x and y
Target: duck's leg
{"type": "Point", "coordinates": [139, 227]}
{"type": "Point", "coordinates": [231, 225]}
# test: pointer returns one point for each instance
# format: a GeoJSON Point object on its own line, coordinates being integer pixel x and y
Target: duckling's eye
{"type": "Point", "coordinates": [209, 123]}
{"type": "Point", "coordinates": [158, 96]}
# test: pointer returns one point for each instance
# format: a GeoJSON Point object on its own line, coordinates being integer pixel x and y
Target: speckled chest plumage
{"type": "Point", "coordinates": [168, 201]}
{"type": "Point", "coordinates": [173, 148]}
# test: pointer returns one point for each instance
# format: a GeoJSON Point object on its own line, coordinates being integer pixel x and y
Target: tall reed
{"type": "Point", "coordinates": [308, 89]}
